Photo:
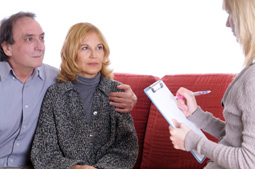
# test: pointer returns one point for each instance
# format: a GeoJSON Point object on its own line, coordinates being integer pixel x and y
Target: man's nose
{"type": "Point", "coordinates": [39, 45]}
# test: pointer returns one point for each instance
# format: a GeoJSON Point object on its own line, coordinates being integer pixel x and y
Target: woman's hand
{"type": "Point", "coordinates": [188, 104]}
{"type": "Point", "coordinates": [123, 101]}
{"type": "Point", "coordinates": [178, 134]}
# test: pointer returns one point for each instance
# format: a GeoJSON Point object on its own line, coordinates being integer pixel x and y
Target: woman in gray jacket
{"type": "Point", "coordinates": [77, 128]}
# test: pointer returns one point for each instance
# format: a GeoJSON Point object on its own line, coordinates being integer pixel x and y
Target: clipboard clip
{"type": "Point", "coordinates": [156, 86]}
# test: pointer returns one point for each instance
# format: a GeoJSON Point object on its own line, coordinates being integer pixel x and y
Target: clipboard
{"type": "Point", "coordinates": [166, 103]}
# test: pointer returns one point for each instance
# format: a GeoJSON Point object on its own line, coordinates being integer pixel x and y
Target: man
{"type": "Point", "coordinates": [24, 80]}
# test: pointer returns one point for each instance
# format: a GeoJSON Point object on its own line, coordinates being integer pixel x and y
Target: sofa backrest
{"type": "Point", "coordinates": [141, 111]}
{"type": "Point", "coordinates": [158, 151]}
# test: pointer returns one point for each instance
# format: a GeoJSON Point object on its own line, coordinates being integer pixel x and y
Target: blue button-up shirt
{"type": "Point", "coordinates": [19, 110]}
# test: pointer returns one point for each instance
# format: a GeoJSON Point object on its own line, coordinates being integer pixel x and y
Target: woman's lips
{"type": "Point", "coordinates": [93, 64]}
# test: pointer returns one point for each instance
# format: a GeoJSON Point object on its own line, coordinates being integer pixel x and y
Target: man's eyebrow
{"type": "Point", "coordinates": [30, 34]}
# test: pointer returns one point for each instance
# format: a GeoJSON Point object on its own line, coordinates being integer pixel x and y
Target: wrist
{"type": "Point", "coordinates": [195, 109]}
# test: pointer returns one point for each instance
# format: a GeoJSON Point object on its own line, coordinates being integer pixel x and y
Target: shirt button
{"type": "Point", "coordinates": [91, 135]}
{"type": "Point", "coordinates": [95, 112]}
{"type": "Point", "coordinates": [26, 106]}
{"type": "Point", "coordinates": [13, 78]}
{"type": "Point", "coordinates": [11, 160]}
{"type": "Point", "coordinates": [17, 144]}
{"type": "Point", "coordinates": [24, 127]}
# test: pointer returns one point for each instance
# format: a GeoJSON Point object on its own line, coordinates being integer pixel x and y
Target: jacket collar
{"type": "Point", "coordinates": [102, 86]}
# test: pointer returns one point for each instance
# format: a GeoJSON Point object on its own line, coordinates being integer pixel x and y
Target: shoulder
{"type": "Point", "coordinates": [60, 88]}
{"type": "Point", "coordinates": [49, 72]}
{"type": "Point", "coordinates": [248, 76]}
{"type": "Point", "coordinates": [108, 85]}
{"type": "Point", "coordinates": [245, 82]}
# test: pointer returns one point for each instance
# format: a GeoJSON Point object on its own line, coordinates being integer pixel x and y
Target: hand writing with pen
{"type": "Point", "coordinates": [187, 104]}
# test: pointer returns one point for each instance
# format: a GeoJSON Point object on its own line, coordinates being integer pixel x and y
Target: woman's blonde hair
{"type": "Point", "coordinates": [69, 69]}
{"type": "Point", "coordinates": [243, 15]}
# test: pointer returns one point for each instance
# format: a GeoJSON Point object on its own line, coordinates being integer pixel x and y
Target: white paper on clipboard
{"type": "Point", "coordinates": [166, 103]}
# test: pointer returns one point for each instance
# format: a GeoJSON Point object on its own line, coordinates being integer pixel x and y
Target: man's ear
{"type": "Point", "coordinates": [6, 48]}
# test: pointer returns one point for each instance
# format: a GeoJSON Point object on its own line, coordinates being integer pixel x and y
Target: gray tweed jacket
{"type": "Point", "coordinates": [64, 138]}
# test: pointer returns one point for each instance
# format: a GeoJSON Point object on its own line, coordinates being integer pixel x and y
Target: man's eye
{"type": "Point", "coordinates": [29, 39]}
{"type": "Point", "coordinates": [42, 38]}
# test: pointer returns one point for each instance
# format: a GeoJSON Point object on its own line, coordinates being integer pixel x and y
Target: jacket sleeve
{"type": "Point", "coordinates": [46, 153]}
{"type": "Point", "coordinates": [123, 153]}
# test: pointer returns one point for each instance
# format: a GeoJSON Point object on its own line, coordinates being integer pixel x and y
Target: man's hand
{"type": "Point", "coordinates": [123, 101]}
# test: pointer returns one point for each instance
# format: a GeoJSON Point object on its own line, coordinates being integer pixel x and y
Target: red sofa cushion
{"type": "Point", "coordinates": [158, 151]}
{"type": "Point", "coordinates": [141, 111]}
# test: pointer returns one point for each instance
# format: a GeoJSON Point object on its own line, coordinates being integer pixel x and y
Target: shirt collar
{"type": "Point", "coordinates": [40, 73]}
{"type": "Point", "coordinates": [5, 69]}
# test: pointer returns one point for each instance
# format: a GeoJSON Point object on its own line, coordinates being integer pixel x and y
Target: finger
{"type": "Point", "coordinates": [124, 87]}
{"type": "Point", "coordinates": [181, 101]}
{"type": "Point", "coordinates": [181, 106]}
{"type": "Point", "coordinates": [128, 91]}
{"type": "Point", "coordinates": [184, 126]}
{"type": "Point", "coordinates": [172, 132]}
{"type": "Point", "coordinates": [176, 123]}
{"type": "Point", "coordinates": [119, 94]}
{"type": "Point", "coordinates": [182, 91]}
{"type": "Point", "coordinates": [118, 104]}
{"type": "Point", "coordinates": [120, 100]}
{"type": "Point", "coordinates": [122, 110]}
{"type": "Point", "coordinates": [176, 147]}
{"type": "Point", "coordinates": [121, 107]}
{"type": "Point", "coordinates": [170, 128]}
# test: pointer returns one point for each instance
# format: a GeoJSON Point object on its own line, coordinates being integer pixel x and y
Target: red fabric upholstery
{"type": "Point", "coordinates": [141, 111]}
{"type": "Point", "coordinates": [158, 151]}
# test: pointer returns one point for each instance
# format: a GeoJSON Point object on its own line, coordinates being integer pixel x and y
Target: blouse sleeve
{"type": "Point", "coordinates": [207, 122]}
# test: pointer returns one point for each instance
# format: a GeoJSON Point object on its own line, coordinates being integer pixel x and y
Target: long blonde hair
{"type": "Point", "coordinates": [69, 69]}
{"type": "Point", "coordinates": [243, 14]}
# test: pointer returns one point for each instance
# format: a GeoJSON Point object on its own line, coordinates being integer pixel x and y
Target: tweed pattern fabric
{"type": "Point", "coordinates": [64, 137]}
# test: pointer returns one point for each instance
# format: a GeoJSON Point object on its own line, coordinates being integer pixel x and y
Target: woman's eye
{"type": "Point", "coordinates": [84, 48]}
{"type": "Point", "coordinates": [100, 47]}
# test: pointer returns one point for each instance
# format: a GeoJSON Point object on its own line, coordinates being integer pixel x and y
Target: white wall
{"type": "Point", "coordinates": [154, 37]}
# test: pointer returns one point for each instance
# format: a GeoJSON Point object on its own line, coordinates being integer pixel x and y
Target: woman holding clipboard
{"type": "Point", "coordinates": [236, 146]}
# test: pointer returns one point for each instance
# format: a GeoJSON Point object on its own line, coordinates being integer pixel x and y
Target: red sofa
{"type": "Point", "coordinates": [155, 148]}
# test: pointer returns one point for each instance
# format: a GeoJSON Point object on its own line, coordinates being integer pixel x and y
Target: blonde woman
{"type": "Point", "coordinates": [77, 127]}
{"type": "Point", "coordinates": [236, 146]}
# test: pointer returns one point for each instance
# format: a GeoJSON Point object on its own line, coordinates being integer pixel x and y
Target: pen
{"type": "Point", "coordinates": [194, 94]}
